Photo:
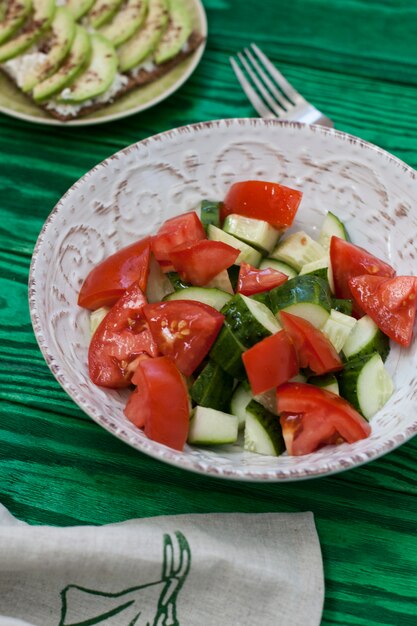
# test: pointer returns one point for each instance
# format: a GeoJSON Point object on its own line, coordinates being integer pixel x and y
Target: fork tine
{"type": "Point", "coordinates": [278, 95]}
{"type": "Point", "coordinates": [278, 110]}
{"type": "Point", "coordinates": [287, 88]}
{"type": "Point", "coordinates": [251, 94]}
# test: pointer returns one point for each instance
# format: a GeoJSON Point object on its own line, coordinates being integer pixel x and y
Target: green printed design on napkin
{"type": "Point", "coordinates": [129, 604]}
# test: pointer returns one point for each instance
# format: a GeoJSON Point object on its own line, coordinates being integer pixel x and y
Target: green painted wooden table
{"type": "Point", "coordinates": [357, 61]}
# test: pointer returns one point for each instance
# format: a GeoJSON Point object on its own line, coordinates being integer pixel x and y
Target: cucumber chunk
{"type": "Point", "coordinates": [211, 427]}
{"type": "Point", "coordinates": [332, 226]}
{"type": "Point", "coordinates": [342, 305]}
{"type": "Point", "coordinates": [222, 282]}
{"type": "Point", "coordinates": [318, 268]}
{"type": "Point", "coordinates": [280, 266]}
{"type": "Point", "coordinates": [212, 388]}
{"type": "Point", "coordinates": [227, 352]}
{"type": "Point", "coordinates": [96, 317]}
{"type": "Point", "coordinates": [366, 338]}
{"type": "Point", "coordinates": [297, 250]}
{"type": "Point", "coordinates": [210, 213]}
{"type": "Point", "coordinates": [239, 402]}
{"type": "Point", "coordinates": [256, 233]}
{"type": "Point", "coordinates": [176, 281]}
{"type": "Point", "coordinates": [247, 253]}
{"type": "Point", "coordinates": [158, 285]}
{"type": "Point", "coordinates": [213, 297]}
{"type": "Point", "coordinates": [327, 381]}
{"type": "Point", "coordinates": [366, 384]}
{"type": "Point", "coordinates": [306, 296]}
{"type": "Point", "coordinates": [263, 433]}
{"type": "Point", "coordinates": [250, 321]}
{"type": "Point", "coordinates": [233, 273]}
{"type": "Point", "coordinates": [338, 328]}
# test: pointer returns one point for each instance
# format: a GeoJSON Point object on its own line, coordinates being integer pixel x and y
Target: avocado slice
{"type": "Point", "coordinates": [144, 42]}
{"type": "Point", "coordinates": [79, 8]}
{"type": "Point", "coordinates": [57, 44]}
{"type": "Point", "coordinates": [33, 28]}
{"type": "Point", "coordinates": [179, 29]}
{"type": "Point", "coordinates": [97, 76]}
{"type": "Point", "coordinates": [16, 13]}
{"type": "Point", "coordinates": [102, 12]}
{"type": "Point", "coordinates": [73, 64]}
{"type": "Point", "coordinates": [126, 22]}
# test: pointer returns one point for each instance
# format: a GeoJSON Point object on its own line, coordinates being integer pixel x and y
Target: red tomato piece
{"type": "Point", "coordinates": [109, 279]}
{"type": "Point", "coordinates": [200, 261]}
{"type": "Point", "coordinates": [160, 403]}
{"type": "Point", "coordinates": [313, 348]}
{"type": "Point", "coordinates": [175, 232]}
{"type": "Point", "coordinates": [121, 338]}
{"type": "Point", "coordinates": [390, 302]}
{"type": "Point", "coordinates": [348, 260]}
{"type": "Point", "coordinates": [270, 362]}
{"type": "Point", "coordinates": [251, 280]}
{"type": "Point", "coordinates": [262, 200]}
{"type": "Point", "coordinates": [184, 330]}
{"type": "Point", "coordinates": [312, 417]}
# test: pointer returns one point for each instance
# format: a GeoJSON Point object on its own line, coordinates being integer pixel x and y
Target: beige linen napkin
{"type": "Point", "coordinates": [184, 570]}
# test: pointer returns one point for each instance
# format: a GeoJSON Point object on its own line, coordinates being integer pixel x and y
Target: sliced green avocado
{"type": "Point", "coordinates": [144, 42]}
{"type": "Point", "coordinates": [16, 13]}
{"type": "Point", "coordinates": [126, 22]}
{"type": "Point", "coordinates": [58, 45]}
{"type": "Point", "coordinates": [37, 23]}
{"type": "Point", "coordinates": [73, 64]}
{"type": "Point", "coordinates": [79, 7]}
{"type": "Point", "coordinates": [97, 76]}
{"type": "Point", "coordinates": [102, 12]}
{"type": "Point", "coordinates": [179, 29]}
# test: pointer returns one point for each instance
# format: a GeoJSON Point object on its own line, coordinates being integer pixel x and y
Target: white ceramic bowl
{"type": "Point", "coordinates": [130, 194]}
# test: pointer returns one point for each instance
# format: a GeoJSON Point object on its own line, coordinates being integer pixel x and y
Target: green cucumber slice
{"type": "Point", "coordinates": [247, 253]}
{"type": "Point", "coordinates": [366, 338]}
{"type": "Point", "coordinates": [159, 286]}
{"type": "Point", "coordinates": [239, 402]}
{"type": "Point", "coordinates": [280, 266]}
{"type": "Point", "coordinates": [211, 427]}
{"type": "Point", "coordinates": [306, 296]}
{"type": "Point", "coordinates": [250, 321]}
{"type": "Point", "coordinates": [263, 434]}
{"type": "Point", "coordinates": [210, 213]}
{"type": "Point", "coordinates": [212, 388]}
{"type": "Point", "coordinates": [96, 317]}
{"type": "Point", "coordinates": [297, 250]}
{"type": "Point", "coordinates": [97, 76]}
{"type": "Point", "coordinates": [332, 226]}
{"type": "Point", "coordinates": [342, 305]}
{"type": "Point", "coordinates": [233, 273]}
{"type": "Point", "coordinates": [227, 352]}
{"type": "Point", "coordinates": [318, 268]}
{"type": "Point", "coordinates": [327, 381]}
{"type": "Point", "coordinates": [213, 297]}
{"type": "Point", "coordinates": [222, 282]}
{"type": "Point", "coordinates": [338, 328]}
{"type": "Point", "coordinates": [366, 384]}
{"type": "Point", "coordinates": [176, 281]}
{"type": "Point", "coordinates": [16, 13]}
{"type": "Point", "coordinates": [256, 233]}
{"type": "Point", "coordinates": [128, 19]}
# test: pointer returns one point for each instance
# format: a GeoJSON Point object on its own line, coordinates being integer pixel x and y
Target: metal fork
{"type": "Point", "coordinates": [269, 91]}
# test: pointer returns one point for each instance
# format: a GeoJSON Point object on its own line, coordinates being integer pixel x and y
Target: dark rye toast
{"type": "Point", "coordinates": [94, 86]}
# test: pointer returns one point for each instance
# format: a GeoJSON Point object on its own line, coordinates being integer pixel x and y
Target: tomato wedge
{"type": "Point", "coordinates": [262, 200]}
{"type": "Point", "coordinates": [348, 260]}
{"type": "Point", "coordinates": [200, 261]}
{"type": "Point", "coordinates": [121, 338]}
{"type": "Point", "coordinates": [175, 232]}
{"type": "Point", "coordinates": [313, 348]}
{"type": "Point", "coordinates": [160, 402]}
{"type": "Point", "coordinates": [390, 302]}
{"type": "Point", "coordinates": [184, 330]}
{"type": "Point", "coordinates": [270, 362]}
{"type": "Point", "coordinates": [312, 417]}
{"type": "Point", "coordinates": [251, 280]}
{"type": "Point", "coordinates": [109, 279]}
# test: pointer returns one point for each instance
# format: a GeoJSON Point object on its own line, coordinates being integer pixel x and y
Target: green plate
{"type": "Point", "coordinates": [13, 102]}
